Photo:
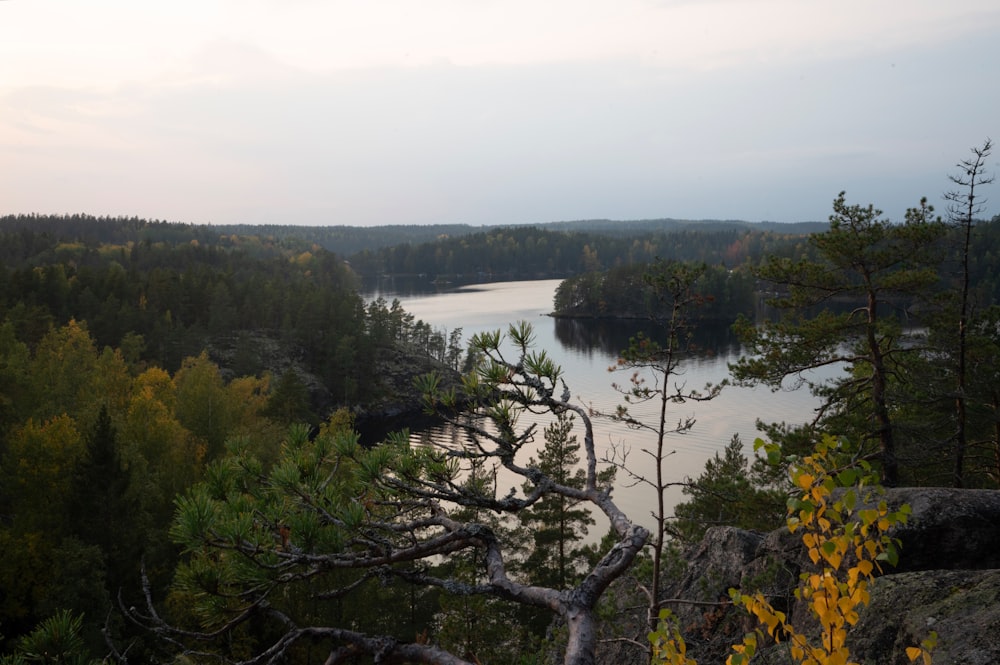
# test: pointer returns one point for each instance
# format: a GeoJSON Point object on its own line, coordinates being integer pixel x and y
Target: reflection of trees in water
{"type": "Point", "coordinates": [609, 336]}
{"type": "Point", "coordinates": [408, 286]}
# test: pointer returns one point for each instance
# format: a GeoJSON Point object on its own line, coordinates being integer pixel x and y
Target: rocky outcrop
{"type": "Point", "coordinates": [947, 580]}
{"type": "Point", "coordinates": [254, 352]}
{"type": "Point", "coordinates": [399, 403]}
{"type": "Point", "coordinates": [962, 606]}
{"type": "Point", "coordinates": [396, 402]}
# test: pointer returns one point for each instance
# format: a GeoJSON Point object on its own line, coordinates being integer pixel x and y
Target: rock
{"type": "Point", "coordinates": [948, 580]}
{"type": "Point", "coordinates": [962, 606]}
{"type": "Point", "coordinates": [253, 352]}
{"type": "Point", "coordinates": [399, 403]}
{"type": "Point", "coordinates": [949, 528]}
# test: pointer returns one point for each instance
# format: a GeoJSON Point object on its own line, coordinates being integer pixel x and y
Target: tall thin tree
{"type": "Point", "coordinates": [965, 204]}
{"type": "Point", "coordinates": [655, 368]}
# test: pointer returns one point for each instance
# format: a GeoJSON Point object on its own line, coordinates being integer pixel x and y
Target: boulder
{"type": "Point", "coordinates": [961, 606]}
{"type": "Point", "coordinates": [948, 529]}
{"type": "Point", "coordinates": [947, 580]}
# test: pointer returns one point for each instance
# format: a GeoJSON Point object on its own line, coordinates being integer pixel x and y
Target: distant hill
{"type": "Point", "coordinates": [670, 225]}
{"type": "Point", "coordinates": [349, 240]}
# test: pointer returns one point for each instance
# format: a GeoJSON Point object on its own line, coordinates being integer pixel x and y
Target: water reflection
{"type": "Point", "coordinates": [609, 337]}
{"type": "Point", "coordinates": [585, 348]}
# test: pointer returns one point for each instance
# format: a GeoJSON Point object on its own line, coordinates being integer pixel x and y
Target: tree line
{"type": "Point", "coordinates": [541, 253]}
{"type": "Point", "coordinates": [625, 293]}
{"type": "Point", "coordinates": [161, 302]}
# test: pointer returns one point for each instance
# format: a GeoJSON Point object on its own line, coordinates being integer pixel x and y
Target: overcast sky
{"type": "Point", "coordinates": [367, 112]}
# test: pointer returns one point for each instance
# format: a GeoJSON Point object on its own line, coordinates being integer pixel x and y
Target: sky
{"type": "Point", "coordinates": [368, 112]}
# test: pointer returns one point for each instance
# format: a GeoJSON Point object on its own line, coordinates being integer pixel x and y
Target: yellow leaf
{"type": "Point", "coordinates": [805, 480]}
{"type": "Point", "coordinates": [912, 653]}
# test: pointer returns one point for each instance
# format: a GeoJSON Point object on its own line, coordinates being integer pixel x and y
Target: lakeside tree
{"type": "Point", "coordinates": [728, 493]}
{"type": "Point", "coordinates": [331, 519]}
{"type": "Point", "coordinates": [557, 523]}
{"type": "Point", "coordinates": [653, 386]}
{"type": "Point", "coordinates": [868, 274]}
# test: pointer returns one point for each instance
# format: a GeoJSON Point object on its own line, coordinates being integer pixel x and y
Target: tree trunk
{"type": "Point", "coordinates": [883, 422]}
{"type": "Point", "coordinates": [582, 642]}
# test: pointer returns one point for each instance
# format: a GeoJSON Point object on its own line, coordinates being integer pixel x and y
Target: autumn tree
{"type": "Point", "coordinates": [61, 371]}
{"type": "Point", "coordinates": [202, 404]}
{"type": "Point", "coordinates": [163, 459]}
{"type": "Point", "coordinates": [44, 566]}
{"type": "Point", "coordinates": [845, 308]}
{"type": "Point", "coordinates": [846, 528]}
{"type": "Point", "coordinates": [255, 538]}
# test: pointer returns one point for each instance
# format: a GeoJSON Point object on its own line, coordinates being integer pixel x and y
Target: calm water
{"type": "Point", "coordinates": [585, 350]}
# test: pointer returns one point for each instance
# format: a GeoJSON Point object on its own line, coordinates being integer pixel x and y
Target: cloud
{"type": "Point", "coordinates": [236, 127]}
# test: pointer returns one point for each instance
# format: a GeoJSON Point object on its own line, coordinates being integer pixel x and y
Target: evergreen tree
{"type": "Point", "coordinates": [483, 628]}
{"type": "Point", "coordinates": [557, 522]}
{"type": "Point", "coordinates": [654, 365]}
{"type": "Point", "coordinates": [288, 402]}
{"type": "Point", "coordinates": [964, 206]}
{"type": "Point", "coordinates": [102, 511]}
{"type": "Point", "coordinates": [876, 271]}
{"type": "Point", "coordinates": [725, 494]}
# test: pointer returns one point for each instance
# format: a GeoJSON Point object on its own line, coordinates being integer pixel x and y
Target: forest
{"type": "Point", "coordinates": [181, 477]}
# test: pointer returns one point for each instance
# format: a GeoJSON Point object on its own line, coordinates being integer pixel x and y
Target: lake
{"type": "Point", "coordinates": [586, 348]}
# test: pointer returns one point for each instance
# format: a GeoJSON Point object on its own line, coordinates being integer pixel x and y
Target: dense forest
{"type": "Point", "coordinates": [539, 253]}
{"type": "Point", "coordinates": [178, 423]}
{"type": "Point", "coordinates": [624, 292]}
{"type": "Point", "coordinates": [732, 289]}
{"type": "Point", "coordinates": [162, 294]}
{"type": "Point", "coordinates": [347, 241]}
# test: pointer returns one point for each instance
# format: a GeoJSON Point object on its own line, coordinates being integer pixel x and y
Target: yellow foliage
{"type": "Point", "coordinates": [667, 642]}
{"type": "Point", "coordinates": [832, 528]}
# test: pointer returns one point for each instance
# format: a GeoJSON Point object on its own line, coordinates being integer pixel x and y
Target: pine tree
{"type": "Point", "coordinates": [103, 513]}
{"type": "Point", "coordinates": [557, 522]}
{"type": "Point", "coordinates": [965, 204]}
{"type": "Point", "coordinates": [876, 269]}
{"type": "Point", "coordinates": [654, 365]}
{"type": "Point", "coordinates": [725, 494]}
